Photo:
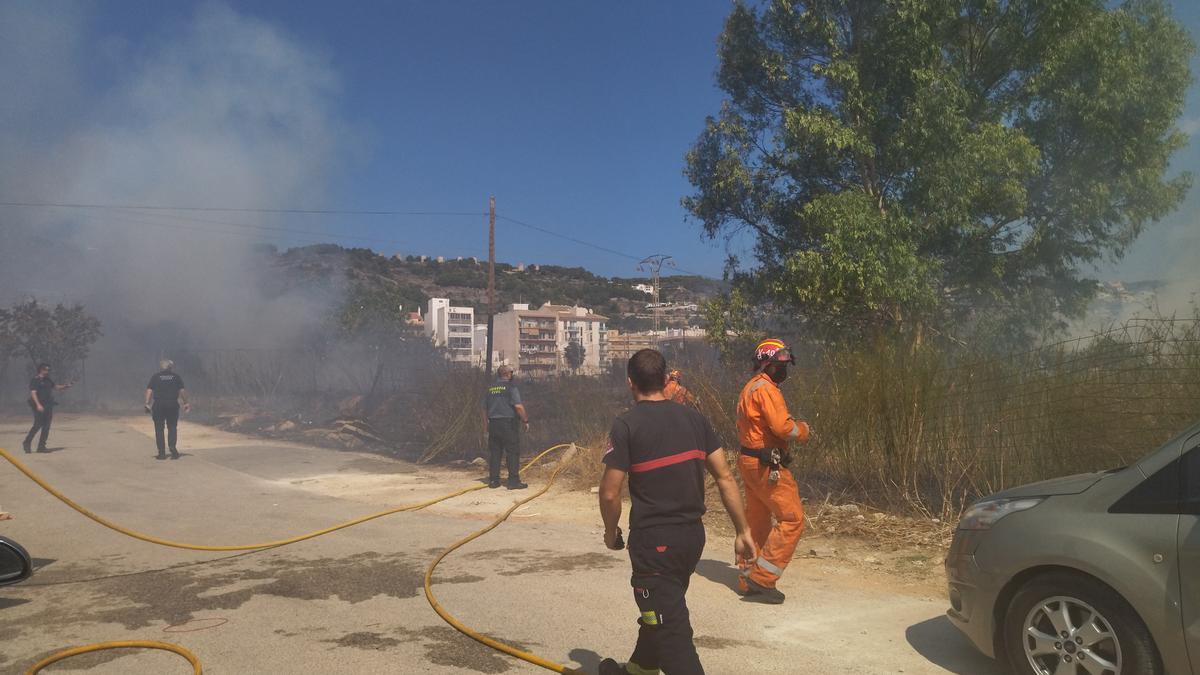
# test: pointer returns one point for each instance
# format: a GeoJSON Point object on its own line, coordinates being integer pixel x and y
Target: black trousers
{"type": "Point", "coordinates": [664, 559]}
{"type": "Point", "coordinates": [504, 440]}
{"type": "Point", "coordinates": [41, 422]}
{"type": "Point", "coordinates": [168, 416]}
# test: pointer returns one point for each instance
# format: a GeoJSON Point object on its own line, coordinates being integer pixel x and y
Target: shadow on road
{"type": "Point", "coordinates": [588, 660]}
{"type": "Point", "coordinates": [718, 572]}
{"type": "Point", "coordinates": [5, 603]}
{"type": "Point", "coordinates": [940, 642]}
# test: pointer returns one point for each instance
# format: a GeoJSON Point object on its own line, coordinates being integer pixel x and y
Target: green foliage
{"type": "Point", "coordinates": [574, 353]}
{"type": "Point", "coordinates": [378, 311]}
{"type": "Point", "coordinates": [945, 164]}
{"type": "Point", "coordinates": [60, 336]}
{"type": "Point", "coordinates": [731, 324]}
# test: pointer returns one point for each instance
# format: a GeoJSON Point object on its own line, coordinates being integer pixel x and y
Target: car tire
{"type": "Point", "coordinates": [1036, 600]}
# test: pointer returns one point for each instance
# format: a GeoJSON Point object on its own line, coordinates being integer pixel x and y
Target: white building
{"type": "Point", "coordinates": [534, 341]}
{"type": "Point", "coordinates": [451, 327]}
{"type": "Point", "coordinates": [645, 288]}
{"type": "Point", "coordinates": [480, 353]}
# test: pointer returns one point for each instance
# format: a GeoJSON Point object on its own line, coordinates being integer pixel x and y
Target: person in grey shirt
{"type": "Point", "coordinates": [502, 411]}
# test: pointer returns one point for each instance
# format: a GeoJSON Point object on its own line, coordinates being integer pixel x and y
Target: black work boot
{"type": "Point", "coordinates": [27, 447]}
{"type": "Point", "coordinates": [174, 453]}
{"type": "Point", "coordinates": [757, 593]}
{"type": "Point", "coordinates": [42, 448]}
{"type": "Point", "coordinates": [494, 483]}
{"type": "Point", "coordinates": [160, 455]}
{"type": "Point", "coordinates": [611, 667]}
{"type": "Point", "coordinates": [517, 485]}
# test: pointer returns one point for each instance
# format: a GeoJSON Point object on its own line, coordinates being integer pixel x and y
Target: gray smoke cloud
{"type": "Point", "coordinates": [223, 110]}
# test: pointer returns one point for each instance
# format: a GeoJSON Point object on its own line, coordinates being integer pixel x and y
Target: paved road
{"type": "Point", "coordinates": [352, 601]}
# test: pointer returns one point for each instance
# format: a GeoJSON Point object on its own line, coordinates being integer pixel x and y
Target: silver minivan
{"type": "Point", "coordinates": [1094, 574]}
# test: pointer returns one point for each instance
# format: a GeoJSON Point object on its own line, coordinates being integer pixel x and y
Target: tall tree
{"type": "Point", "coordinates": [906, 165]}
{"type": "Point", "coordinates": [574, 354]}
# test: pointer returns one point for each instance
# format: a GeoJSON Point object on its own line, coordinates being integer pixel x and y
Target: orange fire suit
{"type": "Point", "coordinates": [678, 393]}
{"type": "Point", "coordinates": [764, 424]}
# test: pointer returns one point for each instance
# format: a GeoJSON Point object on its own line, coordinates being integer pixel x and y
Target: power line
{"type": "Point", "coordinates": [581, 242]}
{"type": "Point", "coordinates": [299, 236]}
{"type": "Point", "coordinates": [226, 209]}
{"type": "Point", "coordinates": [154, 216]}
{"type": "Point", "coordinates": [326, 212]}
{"type": "Point", "coordinates": [270, 228]}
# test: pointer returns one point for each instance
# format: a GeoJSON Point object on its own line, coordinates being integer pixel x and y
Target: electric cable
{"type": "Point", "coordinates": [228, 209]}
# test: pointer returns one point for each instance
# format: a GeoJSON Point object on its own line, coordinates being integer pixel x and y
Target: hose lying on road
{"type": "Point", "coordinates": [235, 547]}
{"type": "Point", "coordinates": [166, 646]}
{"type": "Point", "coordinates": [122, 644]}
{"type": "Point", "coordinates": [458, 625]}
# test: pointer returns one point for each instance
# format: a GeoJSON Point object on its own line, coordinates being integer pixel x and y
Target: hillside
{"type": "Point", "coordinates": [412, 281]}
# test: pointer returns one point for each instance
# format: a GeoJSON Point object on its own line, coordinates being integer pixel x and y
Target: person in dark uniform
{"type": "Point", "coordinates": [162, 402]}
{"type": "Point", "coordinates": [665, 448]}
{"type": "Point", "coordinates": [41, 402]}
{"type": "Point", "coordinates": [502, 409]}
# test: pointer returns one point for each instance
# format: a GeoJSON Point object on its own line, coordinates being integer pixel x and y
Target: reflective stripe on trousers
{"type": "Point", "coordinates": [776, 542]}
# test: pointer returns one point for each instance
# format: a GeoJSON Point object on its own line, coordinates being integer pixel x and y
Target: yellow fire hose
{"type": "Point", "coordinates": [195, 662]}
{"type": "Point", "coordinates": [120, 644]}
{"type": "Point", "coordinates": [458, 625]}
{"type": "Point", "coordinates": [236, 547]}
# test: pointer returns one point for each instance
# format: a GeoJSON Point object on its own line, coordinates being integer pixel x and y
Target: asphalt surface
{"type": "Point", "coordinates": [352, 601]}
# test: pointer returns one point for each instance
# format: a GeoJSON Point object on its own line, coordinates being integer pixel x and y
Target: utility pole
{"type": "Point", "coordinates": [491, 281]}
{"type": "Point", "coordinates": [654, 264]}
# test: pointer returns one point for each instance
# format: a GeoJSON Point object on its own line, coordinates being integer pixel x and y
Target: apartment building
{"type": "Point", "coordinates": [451, 327]}
{"type": "Point", "coordinates": [621, 346]}
{"type": "Point", "coordinates": [533, 341]}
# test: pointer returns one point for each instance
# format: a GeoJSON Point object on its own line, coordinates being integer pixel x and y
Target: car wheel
{"type": "Point", "coordinates": [1065, 624]}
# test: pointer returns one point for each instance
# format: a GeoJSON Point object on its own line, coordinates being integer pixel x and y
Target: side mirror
{"type": "Point", "coordinates": [15, 563]}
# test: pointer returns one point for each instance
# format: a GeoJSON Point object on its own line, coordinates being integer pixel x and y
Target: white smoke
{"type": "Point", "coordinates": [223, 111]}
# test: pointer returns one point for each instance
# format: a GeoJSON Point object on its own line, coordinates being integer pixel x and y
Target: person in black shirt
{"type": "Point", "coordinates": [664, 448]}
{"type": "Point", "coordinates": [165, 389]}
{"type": "Point", "coordinates": [41, 402]}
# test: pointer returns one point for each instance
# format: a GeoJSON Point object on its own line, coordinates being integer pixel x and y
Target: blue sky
{"type": "Point", "coordinates": [576, 116]}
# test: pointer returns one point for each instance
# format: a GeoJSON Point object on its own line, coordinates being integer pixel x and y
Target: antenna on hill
{"type": "Point", "coordinates": [654, 264]}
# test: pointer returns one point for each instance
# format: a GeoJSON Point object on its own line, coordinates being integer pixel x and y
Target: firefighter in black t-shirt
{"type": "Point", "coordinates": [41, 402]}
{"type": "Point", "coordinates": [664, 448]}
{"type": "Point", "coordinates": [162, 401]}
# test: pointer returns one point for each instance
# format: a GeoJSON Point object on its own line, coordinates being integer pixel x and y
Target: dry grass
{"type": "Point", "coordinates": [925, 434]}
{"type": "Point", "coordinates": [914, 433]}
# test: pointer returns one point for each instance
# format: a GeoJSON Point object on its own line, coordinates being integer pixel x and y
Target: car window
{"type": "Point", "coordinates": [1157, 494]}
{"type": "Point", "coordinates": [1191, 482]}
{"type": "Point", "coordinates": [1173, 489]}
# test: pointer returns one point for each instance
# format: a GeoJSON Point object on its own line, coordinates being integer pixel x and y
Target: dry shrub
{"type": "Point", "coordinates": [926, 433]}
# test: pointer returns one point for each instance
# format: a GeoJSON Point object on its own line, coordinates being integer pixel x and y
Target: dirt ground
{"type": "Point", "coordinates": [351, 601]}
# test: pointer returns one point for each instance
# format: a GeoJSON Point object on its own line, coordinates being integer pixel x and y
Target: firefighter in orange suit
{"type": "Point", "coordinates": [765, 429]}
{"type": "Point", "coordinates": [675, 391]}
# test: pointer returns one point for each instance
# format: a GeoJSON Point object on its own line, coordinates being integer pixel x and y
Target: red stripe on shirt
{"type": "Point", "coordinates": [667, 461]}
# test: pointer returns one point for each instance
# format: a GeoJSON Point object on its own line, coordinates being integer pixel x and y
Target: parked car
{"type": "Point", "coordinates": [15, 563]}
{"type": "Point", "coordinates": [1095, 574]}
